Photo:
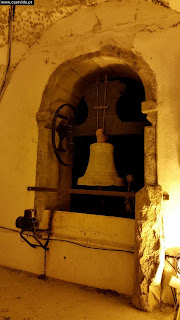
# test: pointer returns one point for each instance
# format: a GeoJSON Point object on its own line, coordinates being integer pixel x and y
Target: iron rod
{"type": "Point", "coordinates": [42, 189]}
{"type": "Point", "coordinates": [90, 192]}
{"type": "Point", "coordinates": [83, 191]}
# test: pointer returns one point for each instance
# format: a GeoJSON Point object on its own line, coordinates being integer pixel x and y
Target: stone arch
{"type": "Point", "coordinates": [64, 86]}
{"type": "Point", "coordinates": [126, 61]}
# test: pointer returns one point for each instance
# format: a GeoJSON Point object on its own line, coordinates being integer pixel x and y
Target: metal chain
{"type": "Point", "coordinates": [46, 246]}
{"type": "Point", "coordinates": [45, 263]}
{"type": "Point", "coordinates": [97, 83]}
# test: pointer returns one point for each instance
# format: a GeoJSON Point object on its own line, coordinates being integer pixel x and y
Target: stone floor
{"type": "Point", "coordinates": [24, 297]}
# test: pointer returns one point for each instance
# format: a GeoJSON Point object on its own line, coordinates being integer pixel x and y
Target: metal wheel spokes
{"type": "Point", "coordinates": [64, 133]}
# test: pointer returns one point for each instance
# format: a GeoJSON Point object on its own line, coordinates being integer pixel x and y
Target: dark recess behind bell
{"type": "Point", "coordinates": [81, 112]}
{"type": "Point", "coordinates": [128, 106]}
{"type": "Point", "coordinates": [128, 151]}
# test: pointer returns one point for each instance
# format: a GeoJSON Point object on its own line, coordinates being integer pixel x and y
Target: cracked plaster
{"type": "Point", "coordinates": [173, 4]}
{"type": "Point", "coordinates": [30, 23]}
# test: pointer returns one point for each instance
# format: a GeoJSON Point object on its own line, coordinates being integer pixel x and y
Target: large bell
{"type": "Point", "coordinates": [101, 169]}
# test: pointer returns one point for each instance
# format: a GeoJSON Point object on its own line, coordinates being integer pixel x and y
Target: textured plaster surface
{"type": "Point", "coordinates": [66, 260]}
{"type": "Point", "coordinates": [174, 4]}
{"type": "Point", "coordinates": [149, 260]}
{"type": "Point", "coordinates": [31, 22]}
{"type": "Point", "coordinates": [97, 268]}
{"type": "Point", "coordinates": [168, 136]}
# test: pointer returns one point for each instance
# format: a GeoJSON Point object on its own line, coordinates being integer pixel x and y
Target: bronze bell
{"type": "Point", "coordinates": [101, 169]}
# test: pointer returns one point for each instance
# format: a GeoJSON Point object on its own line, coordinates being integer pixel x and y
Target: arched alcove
{"type": "Point", "coordinates": [67, 85]}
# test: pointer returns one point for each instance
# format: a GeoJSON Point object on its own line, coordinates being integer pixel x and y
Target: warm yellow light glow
{"type": "Point", "coordinates": [171, 216]}
{"type": "Point", "coordinates": [175, 282]}
{"type": "Point", "coordinates": [178, 267]}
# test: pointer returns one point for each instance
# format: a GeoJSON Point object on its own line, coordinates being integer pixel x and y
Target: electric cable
{"type": "Point", "coordinates": [171, 263]}
{"type": "Point", "coordinates": [75, 243]}
{"type": "Point", "coordinates": [10, 19]}
{"type": "Point", "coordinates": [175, 292]}
{"type": "Point", "coordinates": [9, 229]}
{"type": "Point", "coordinates": [88, 247]}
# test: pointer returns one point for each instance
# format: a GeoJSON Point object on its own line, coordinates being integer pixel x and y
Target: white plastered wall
{"type": "Point", "coordinates": [152, 34]}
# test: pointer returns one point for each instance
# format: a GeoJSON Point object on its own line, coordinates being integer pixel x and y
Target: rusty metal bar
{"type": "Point", "coordinates": [82, 191]}
{"type": "Point", "coordinates": [42, 189]}
{"type": "Point", "coordinates": [90, 192]}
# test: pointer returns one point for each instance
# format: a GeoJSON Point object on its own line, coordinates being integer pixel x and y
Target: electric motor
{"type": "Point", "coordinates": [28, 222]}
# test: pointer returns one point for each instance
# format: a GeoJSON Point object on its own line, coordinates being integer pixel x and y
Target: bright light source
{"type": "Point", "coordinates": [178, 266]}
{"type": "Point", "coordinates": [174, 282]}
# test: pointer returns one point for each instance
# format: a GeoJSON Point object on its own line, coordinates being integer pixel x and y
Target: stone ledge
{"type": "Point", "coordinates": [148, 106]}
{"type": "Point", "coordinates": [152, 117]}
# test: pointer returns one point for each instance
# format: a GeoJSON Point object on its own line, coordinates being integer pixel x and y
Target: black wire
{"type": "Point", "coordinates": [177, 256]}
{"type": "Point", "coordinates": [10, 19]}
{"type": "Point", "coordinates": [174, 295]}
{"type": "Point", "coordinates": [81, 245]}
{"type": "Point", "coordinates": [9, 229]}
{"type": "Point", "coordinates": [75, 243]}
{"type": "Point", "coordinates": [171, 263]}
{"type": "Point", "coordinates": [14, 7]}
{"type": "Point", "coordinates": [20, 231]}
